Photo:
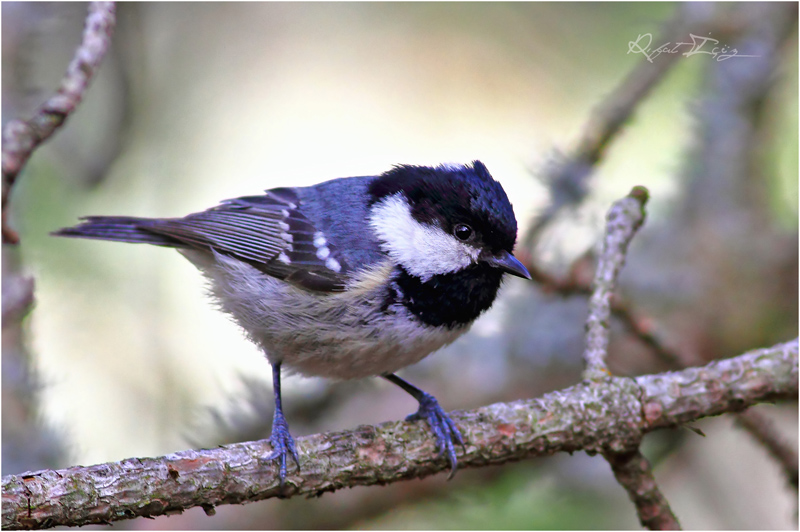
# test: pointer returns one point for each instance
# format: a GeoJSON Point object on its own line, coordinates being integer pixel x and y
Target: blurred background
{"type": "Point", "coordinates": [121, 354]}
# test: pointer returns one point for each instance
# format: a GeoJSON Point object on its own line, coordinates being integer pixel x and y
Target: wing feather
{"type": "Point", "coordinates": [270, 232]}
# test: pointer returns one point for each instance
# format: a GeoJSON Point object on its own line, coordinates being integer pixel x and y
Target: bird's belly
{"type": "Point", "coordinates": [365, 352]}
{"type": "Point", "coordinates": [345, 335]}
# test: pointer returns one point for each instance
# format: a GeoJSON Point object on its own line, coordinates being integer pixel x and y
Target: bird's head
{"type": "Point", "coordinates": [444, 219]}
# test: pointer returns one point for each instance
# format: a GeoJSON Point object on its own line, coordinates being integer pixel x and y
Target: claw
{"type": "Point", "coordinates": [443, 427]}
{"type": "Point", "coordinates": [281, 440]}
{"type": "Point", "coordinates": [282, 445]}
{"type": "Point", "coordinates": [445, 430]}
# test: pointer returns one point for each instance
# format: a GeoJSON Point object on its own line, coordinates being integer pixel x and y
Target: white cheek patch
{"type": "Point", "coordinates": [423, 250]}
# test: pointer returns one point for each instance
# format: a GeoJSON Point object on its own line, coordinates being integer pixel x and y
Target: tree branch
{"type": "Point", "coordinates": [568, 174]}
{"type": "Point", "coordinates": [21, 138]}
{"type": "Point", "coordinates": [630, 467]}
{"type": "Point", "coordinates": [633, 472]}
{"type": "Point", "coordinates": [597, 417]}
{"type": "Point", "coordinates": [763, 430]}
{"type": "Point", "coordinates": [623, 220]}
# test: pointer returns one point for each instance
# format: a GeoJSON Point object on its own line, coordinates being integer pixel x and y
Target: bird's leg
{"type": "Point", "coordinates": [282, 442]}
{"type": "Point", "coordinates": [443, 427]}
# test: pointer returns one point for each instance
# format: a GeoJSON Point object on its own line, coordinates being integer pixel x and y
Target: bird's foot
{"type": "Point", "coordinates": [447, 434]}
{"type": "Point", "coordinates": [282, 445]}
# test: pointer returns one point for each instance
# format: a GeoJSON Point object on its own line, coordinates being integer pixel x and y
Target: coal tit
{"type": "Point", "coordinates": [349, 278]}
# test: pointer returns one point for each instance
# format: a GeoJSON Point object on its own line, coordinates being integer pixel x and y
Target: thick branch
{"type": "Point", "coordinates": [770, 373]}
{"type": "Point", "coordinates": [20, 137]}
{"type": "Point", "coordinates": [609, 416]}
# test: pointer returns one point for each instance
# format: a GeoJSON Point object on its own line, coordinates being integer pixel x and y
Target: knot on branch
{"type": "Point", "coordinates": [612, 402]}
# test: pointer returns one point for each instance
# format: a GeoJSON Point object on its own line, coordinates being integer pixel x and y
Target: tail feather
{"type": "Point", "coordinates": [118, 229]}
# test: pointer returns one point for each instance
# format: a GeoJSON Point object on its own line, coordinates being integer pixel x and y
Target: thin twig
{"type": "Point", "coordinates": [637, 324]}
{"type": "Point", "coordinates": [623, 220]}
{"type": "Point", "coordinates": [763, 430]}
{"type": "Point", "coordinates": [567, 175]}
{"type": "Point", "coordinates": [633, 472]}
{"type": "Point", "coordinates": [618, 108]}
{"type": "Point", "coordinates": [598, 417]}
{"type": "Point", "coordinates": [630, 467]}
{"type": "Point", "coordinates": [21, 138]}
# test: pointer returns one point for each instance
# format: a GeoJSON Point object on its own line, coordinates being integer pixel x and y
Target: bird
{"type": "Point", "coordinates": [349, 278]}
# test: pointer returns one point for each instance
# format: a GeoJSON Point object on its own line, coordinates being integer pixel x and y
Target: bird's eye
{"type": "Point", "coordinates": [462, 231]}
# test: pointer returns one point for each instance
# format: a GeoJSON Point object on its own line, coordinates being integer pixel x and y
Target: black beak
{"type": "Point", "coordinates": [508, 263]}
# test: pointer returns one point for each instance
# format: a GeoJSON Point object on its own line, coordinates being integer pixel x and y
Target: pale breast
{"type": "Point", "coordinates": [344, 335]}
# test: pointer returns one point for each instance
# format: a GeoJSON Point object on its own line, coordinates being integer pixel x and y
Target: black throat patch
{"type": "Point", "coordinates": [450, 300]}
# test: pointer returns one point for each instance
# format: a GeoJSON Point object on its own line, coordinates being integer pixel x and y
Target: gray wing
{"type": "Point", "coordinates": [270, 232]}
